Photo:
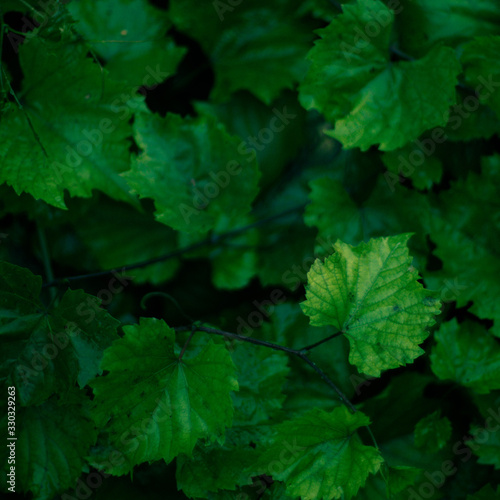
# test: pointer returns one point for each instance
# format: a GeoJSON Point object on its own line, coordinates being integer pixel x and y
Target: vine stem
{"type": "Point", "coordinates": [299, 353]}
{"type": "Point", "coordinates": [211, 240]}
{"type": "Point", "coordinates": [316, 344]}
{"type": "Point", "coordinates": [193, 330]}
{"type": "Point", "coordinates": [296, 352]}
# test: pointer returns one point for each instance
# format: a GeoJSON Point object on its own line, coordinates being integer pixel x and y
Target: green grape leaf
{"type": "Point", "coordinates": [468, 355]}
{"type": "Point", "coordinates": [432, 432]}
{"type": "Point", "coordinates": [320, 455]}
{"type": "Point", "coordinates": [154, 406]}
{"type": "Point", "coordinates": [261, 376]}
{"type": "Point", "coordinates": [402, 476]}
{"type": "Point", "coordinates": [424, 170]}
{"type": "Point", "coordinates": [478, 121]}
{"type": "Point", "coordinates": [471, 273]}
{"type": "Point", "coordinates": [333, 212]}
{"type": "Point", "coordinates": [423, 24]}
{"type": "Point", "coordinates": [273, 134]}
{"type": "Point", "coordinates": [52, 441]}
{"type": "Point", "coordinates": [402, 450]}
{"type": "Point", "coordinates": [192, 170]}
{"type": "Point", "coordinates": [372, 100]}
{"type": "Point", "coordinates": [47, 352]}
{"type": "Point", "coordinates": [217, 467]}
{"type": "Point", "coordinates": [462, 224]}
{"type": "Point", "coordinates": [129, 35]}
{"type": "Point", "coordinates": [73, 139]}
{"type": "Point", "coordinates": [260, 47]}
{"type": "Point", "coordinates": [398, 478]}
{"type": "Point", "coordinates": [482, 69]}
{"type": "Point", "coordinates": [486, 445]}
{"type": "Point", "coordinates": [211, 471]}
{"type": "Point", "coordinates": [370, 292]}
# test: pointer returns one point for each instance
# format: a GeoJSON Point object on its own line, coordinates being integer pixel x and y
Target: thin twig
{"type": "Point", "coordinates": [211, 240]}
{"type": "Point", "coordinates": [312, 346]}
{"type": "Point", "coordinates": [299, 353]}
{"type": "Point", "coordinates": [237, 336]}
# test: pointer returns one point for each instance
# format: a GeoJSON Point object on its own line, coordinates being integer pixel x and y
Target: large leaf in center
{"type": "Point", "coordinates": [156, 406]}
{"type": "Point", "coordinates": [370, 292]}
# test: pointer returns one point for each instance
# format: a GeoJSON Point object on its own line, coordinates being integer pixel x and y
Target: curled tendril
{"type": "Point", "coordinates": [169, 298]}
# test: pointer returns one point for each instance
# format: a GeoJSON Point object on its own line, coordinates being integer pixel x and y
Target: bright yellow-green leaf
{"type": "Point", "coordinates": [370, 292]}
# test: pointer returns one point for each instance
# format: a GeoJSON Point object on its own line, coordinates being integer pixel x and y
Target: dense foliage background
{"type": "Point", "coordinates": [170, 172]}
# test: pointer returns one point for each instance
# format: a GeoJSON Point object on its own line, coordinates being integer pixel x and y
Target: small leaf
{"type": "Point", "coordinates": [432, 432]}
{"type": "Point", "coordinates": [486, 445]}
{"type": "Point", "coordinates": [468, 355]}
{"type": "Point", "coordinates": [320, 455]}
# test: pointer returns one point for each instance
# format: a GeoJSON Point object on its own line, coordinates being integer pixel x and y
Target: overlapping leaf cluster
{"type": "Point", "coordinates": [242, 150]}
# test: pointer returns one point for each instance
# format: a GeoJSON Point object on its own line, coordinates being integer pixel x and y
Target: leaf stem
{"type": "Point", "coordinates": [312, 346]}
{"type": "Point", "coordinates": [193, 330]}
{"type": "Point", "coordinates": [299, 353]}
{"type": "Point", "coordinates": [373, 437]}
{"type": "Point", "coordinates": [398, 52]}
